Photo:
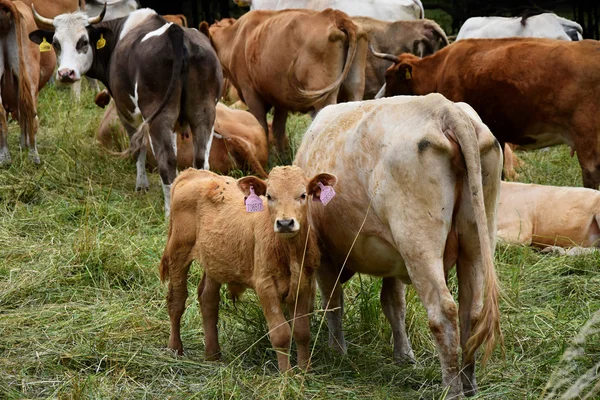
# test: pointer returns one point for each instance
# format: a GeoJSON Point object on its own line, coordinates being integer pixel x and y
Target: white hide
{"type": "Point", "coordinates": [114, 9]}
{"type": "Point", "coordinates": [157, 32]}
{"type": "Point", "coordinates": [134, 19]}
{"type": "Point", "coordinates": [547, 25]}
{"type": "Point", "coordinates": [385, 10]}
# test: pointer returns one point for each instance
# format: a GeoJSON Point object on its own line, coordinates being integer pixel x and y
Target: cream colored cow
{"type": "Point", "coordinates": [273, 251]}
{"type": "Point", "coordinates": [423, 175]}
{"type": "Point", "coordinates": [549, 217]}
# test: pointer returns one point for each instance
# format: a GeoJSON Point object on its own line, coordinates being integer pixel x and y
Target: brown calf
{"type": "Point", "coordinates": [272, 252]}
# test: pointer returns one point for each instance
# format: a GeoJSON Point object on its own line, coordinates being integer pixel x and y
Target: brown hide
{"type": "Point", "coordinates": [548, 216]}
{"type": "Point", "coordinates": [209, 222]}
{"type": "Point", "coordinates": [52, 8]}
{"type": "Point", "coordinates": [243, 144]}
{"type": "Point", "coordinates": [293, 60]}
{"type": "Point", "coordinates": [530, 92]}
{"type": "Point", "coordinates": [178, 19]}
{"type": "Point", "coordinates": [421, 37]}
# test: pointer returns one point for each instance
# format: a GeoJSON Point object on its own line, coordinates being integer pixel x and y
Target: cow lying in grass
{"type": "Point", "coordinates": [239, 142]}
{"type": "Point", "coordinates": [272, 252]}
{"type": "Point", "coordinates": [549, 217]}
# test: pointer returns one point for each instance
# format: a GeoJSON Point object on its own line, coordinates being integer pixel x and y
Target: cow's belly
{"type": "Point", "coordinates": [373, 255]}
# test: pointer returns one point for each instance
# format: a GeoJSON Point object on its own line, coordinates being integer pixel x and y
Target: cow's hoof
{"type": "Point", "coordinates": [34, 158]}
{"type": "Point", "coordinates": [5, 157]}
{"type": "Point", "coordinates": [405, 359]}
{"type": "Point", "coordinates": [338, 345]}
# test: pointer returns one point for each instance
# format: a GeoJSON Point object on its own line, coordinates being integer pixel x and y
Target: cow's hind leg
{"type": "Point", "coordinates": [202, 123]}
{"type": "Point", "coordinates": [162, 145]}
{"type": "Point", "coordinates": [393, 302]}
{"type": "Point", "coordinates": [208, 299]}
{"type": "Point", "coordinates": [178, 261]}
{"type": "Point", "coordinates": [279, 121]}
{"type": "Point", "coordinates": [4, 153]}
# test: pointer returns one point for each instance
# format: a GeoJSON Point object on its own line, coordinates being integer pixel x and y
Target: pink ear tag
{"type": "Point", "coordinates": [253, 202]}
{"type": "Point", "coordinates": [327, 194]}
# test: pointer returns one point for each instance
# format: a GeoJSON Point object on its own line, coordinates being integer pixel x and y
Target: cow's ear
{"type": "Point", "coordinates": [405, 72]}
{"type": "Point", "coordinates": [204, 28]}
{"type": "Point", "coordinates": [38, 36]}
{"type": "Point", "coordinates": [258, 185]}
{"type": "Point", "coordinates": [324, 179]}
{"type": "Point", "coordinates": [100, 37]}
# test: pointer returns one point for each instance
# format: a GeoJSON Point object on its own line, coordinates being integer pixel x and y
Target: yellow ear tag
{"type": "Point", "coordinates": [45, 46]}
{"type": "Point", "coordinates": [408, 75]}
{"type": "Point", "coordinates": [101, 42]}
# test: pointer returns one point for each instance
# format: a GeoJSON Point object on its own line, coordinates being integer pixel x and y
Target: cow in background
{"type": "Point", "coordinates": [549, 217]}
{"type": "Point", "coordinates": [115, 8]}
{"type": "Point", "coordinates": [151, 93]}
{"type": "Point", "coordinates": [421, 37]}
{"type": "Point", "coordinates": [531, 92]}
{"type": "Point", "coordinates": [546, 25]}
{"type": "Point", "coordinates": [324, 62]}
{"type": "Point", "coordinates": [178, 19]}
{"type": "Point", "coordinates": [24, 68]}
{"type": "Point", "coordinates": [385, 10]}
{"type": "Point", "coordinates": [239, 141]}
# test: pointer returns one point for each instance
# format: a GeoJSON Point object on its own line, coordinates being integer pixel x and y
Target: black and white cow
{"type": "Point", "coordinates": [158, 73]}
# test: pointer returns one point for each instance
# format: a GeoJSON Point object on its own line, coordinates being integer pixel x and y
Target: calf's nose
{"type": "Point", "coordinates": [285, 225]}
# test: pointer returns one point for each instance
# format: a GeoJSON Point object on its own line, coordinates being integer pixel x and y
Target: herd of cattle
{"type": "Point", "coordinates": [417, 178]}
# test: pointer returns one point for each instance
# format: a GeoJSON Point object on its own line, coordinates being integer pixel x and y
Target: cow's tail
{"type": "Point", "coordinates": [26, 106]}
{"type": "Point", "coordinates": [487, 327]}
{"type": "Point", "coordinates": [346, 25]}
{"type": "Point", "coordinates": [175, 34]}
{"type": "Point", "coordinates": [241, 147]}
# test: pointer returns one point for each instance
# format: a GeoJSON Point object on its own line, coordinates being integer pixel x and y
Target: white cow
{"type": "Point", "coordinates": [547, 25]}
{"type": "Point", "coordinates": [115, 8]}
{"type": "Point", "coordinates": [417, 192]}
{"type": "Point", "coordinates": [385, 10]}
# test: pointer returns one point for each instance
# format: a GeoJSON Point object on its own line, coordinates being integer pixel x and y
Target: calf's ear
{"type": "Point", "coordinates": [323, 178]}
{"type": "Point", "coordinates": [38, 36]}
{"type": "Point", "coordinates": [258, 185]}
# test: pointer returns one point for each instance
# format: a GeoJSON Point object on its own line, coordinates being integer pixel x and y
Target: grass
{"type": "Point", "coordinates": [83, 315]}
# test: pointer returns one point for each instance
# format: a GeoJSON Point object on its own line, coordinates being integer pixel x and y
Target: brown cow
{"type": "Point", "coordinates": [530, 92]}
{"type": "Point", "coordinates": [293, 60]}
{"type": "Point", "coordinates": [178, 19]}
{"type": "Point", "coordinates": [421, 37]}
{"type": "Point", "coordinates": [239, 142]}
{"type": "Point", "coordinates": [549, 216]}
{"type": "Point", "coordinates": [272, 252]}
{"type": "Point", "coordinates": [25, 70]}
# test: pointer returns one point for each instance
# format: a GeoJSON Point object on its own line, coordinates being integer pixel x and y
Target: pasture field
{"type": "Point", "coordinates": [83, 314]}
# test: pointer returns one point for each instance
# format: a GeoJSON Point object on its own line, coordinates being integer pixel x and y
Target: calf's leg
{"type": "Point", "coordinates": [176, 297]}
{"type": "Point", "coordinates": [301, 325]}
{"type": "Point", "coordinates": [279, 330]}
{"type": "Point", "coordinates": [393, 303]}
{"type": "Point", "coordinates": [4, 153]}
{"type": "Point", "coordinates": [208, 299]}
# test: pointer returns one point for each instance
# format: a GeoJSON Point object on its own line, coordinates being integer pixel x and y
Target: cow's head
{"type": "Point", "coordinates": [72, 38]}
{"type": "Point", "coordinates": [398, 77]}
{"type": "Point", "coordinates": [287, 191]}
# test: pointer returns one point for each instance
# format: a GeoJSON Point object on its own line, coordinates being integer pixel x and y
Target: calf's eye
{"type": "Point", "coordinates": [303, 196]}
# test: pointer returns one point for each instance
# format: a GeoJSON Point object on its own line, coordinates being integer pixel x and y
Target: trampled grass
{"type": "Point", "coordinates": [83, 315]}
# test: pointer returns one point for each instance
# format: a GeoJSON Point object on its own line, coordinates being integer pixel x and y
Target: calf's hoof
{"type": "Point", "coordinates": [212, 356]}
{"type": "Point", "coordinates": [338, 345]}
{"type": "Point", "coordinates": [405, 358]}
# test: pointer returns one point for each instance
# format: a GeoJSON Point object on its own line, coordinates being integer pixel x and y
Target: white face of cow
{"type": "Point", "coordinates": [72, 45]}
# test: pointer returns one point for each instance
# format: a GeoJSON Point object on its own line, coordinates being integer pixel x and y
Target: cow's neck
{"type": "Point", "coordinates": [101, 64]}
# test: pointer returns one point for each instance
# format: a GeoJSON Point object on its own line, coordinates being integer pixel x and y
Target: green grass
{"type": "Point", "coordinates": [83, 315]}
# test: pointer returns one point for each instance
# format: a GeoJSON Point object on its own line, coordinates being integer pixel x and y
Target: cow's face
{"type": "Point", "coordinates": [72, 39]}
{"type": "Point", "coordinates": [287, 191]}
{"type": "Point", "coordinates": [399, 77]}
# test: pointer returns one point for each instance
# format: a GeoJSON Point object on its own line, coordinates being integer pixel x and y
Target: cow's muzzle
{"type": "Point", "coordinates": [66, 75]}
{"type": "Point", "coordinates": [287, 227]}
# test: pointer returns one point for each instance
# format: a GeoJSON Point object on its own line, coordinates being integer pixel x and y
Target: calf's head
{"type": "Point", "coordinates": [75, 41]}
{"type": "Point", "coordinates": [287, 191]}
